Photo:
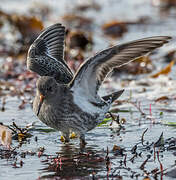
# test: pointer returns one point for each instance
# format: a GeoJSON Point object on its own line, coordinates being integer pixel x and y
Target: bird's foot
{"type": "Point", "coordinates": [67, 138]}
{"type": "Point", "coordinates": [73, 135]}
{"type": "Point", "coordinates": [64, 139]}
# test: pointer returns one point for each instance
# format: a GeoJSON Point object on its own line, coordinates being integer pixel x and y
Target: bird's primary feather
{"type": "Point", "coordinates": [54, 37]}
{"type": "Point", "coordinates": [91, 74]}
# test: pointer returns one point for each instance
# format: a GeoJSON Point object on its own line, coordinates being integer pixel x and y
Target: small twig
{"type": "Point", "coordinates": [11, 129]}
{"type": "Point", "coordinates": [22, 105]}
{"type": "Point", "coordinates": [144, 163]}
{"type": "Point", "coordinates": [14, 124]}
{"type": "Point", "coordinates": [161, 166]}
{"type": "Point", "coordinates": [3, 104]}
{"type": "Point", "coordinates": [142, 138]}
{"type": "Point", "coordinates": [132, 159]}
{"type": "Point", "coordinates": [124, 161]}
{"type": "Point", "coordinates": [154, 153]}
{"type": "Point", "coordinates": [138, 107]}
{"type": "Point", "coordinates": [133, 150]}
{"type": "Point", "coordinates": [135, 104]}
{"type": "Point", "coordinates": [164, 170]}
{"type": "Point", "coordinates": [150, 109]}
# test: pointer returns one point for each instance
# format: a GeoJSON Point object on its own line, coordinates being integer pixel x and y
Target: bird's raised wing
{"type": "Point", "coordinates": [45, 56]}
{"type": "Point", "coordinates": [91, 74]}
{"type": "Point", "coordinates": [54, 40]}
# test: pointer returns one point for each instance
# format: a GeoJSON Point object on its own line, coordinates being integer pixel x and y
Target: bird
{"type": "Point", "coordinates": [70, 102]}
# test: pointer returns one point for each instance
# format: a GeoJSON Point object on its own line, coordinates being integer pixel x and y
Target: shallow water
{"type": "Point", "coordinates": [75, 163]}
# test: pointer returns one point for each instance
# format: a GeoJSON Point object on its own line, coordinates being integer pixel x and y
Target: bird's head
{"type": "Point", "coordinates": [46, 89]}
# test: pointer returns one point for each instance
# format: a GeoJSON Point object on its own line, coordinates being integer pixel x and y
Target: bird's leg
{"type": "Point", "coordinates": [82, 140]}
{"type": "Point", "coordinates": [65, 137]}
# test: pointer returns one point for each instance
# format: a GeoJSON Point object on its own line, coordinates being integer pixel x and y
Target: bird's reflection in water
{"type": "Point", "coordinates": [73, 162]}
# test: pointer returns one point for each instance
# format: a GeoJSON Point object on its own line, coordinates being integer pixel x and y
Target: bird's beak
{"type": "Point", "coordinates": [40, 103]}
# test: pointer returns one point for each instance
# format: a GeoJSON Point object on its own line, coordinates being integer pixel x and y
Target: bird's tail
{"type": "Point", "coordinates": [113, 96]}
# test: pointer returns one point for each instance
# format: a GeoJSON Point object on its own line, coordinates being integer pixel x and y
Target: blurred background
{"type": "Point", "coordinates": [91, 26]}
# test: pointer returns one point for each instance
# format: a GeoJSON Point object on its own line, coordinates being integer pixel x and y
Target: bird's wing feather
{"type": "Point", "coordinates": [113, 96]}
{"type": "Point", "coordinates": [54, 40]}
{"type": "Point", "coordinates": [91, 74]}
{"type": "Point", "coordinates": [45, 56]}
